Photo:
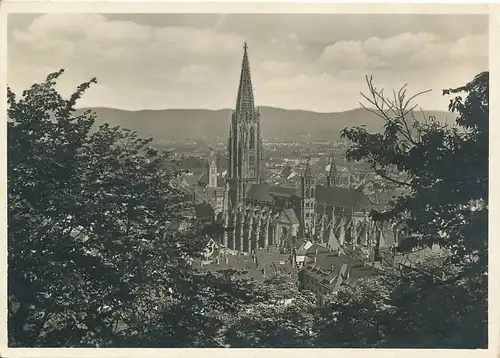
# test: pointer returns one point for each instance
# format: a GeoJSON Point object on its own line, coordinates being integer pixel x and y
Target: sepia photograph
{"type": "Point", "coordinates": [247, 180]}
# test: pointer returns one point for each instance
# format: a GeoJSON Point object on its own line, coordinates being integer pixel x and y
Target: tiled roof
{"type": "Point", "coordinates": [203, 180]}
{"type": "Point", "coordinates": [269, 255]}
{"type": "Point", "coordinates": [328, 265]}
{"type": "Point", "coordinates": [260, 192]}
{"type": "Point", "coordinates": [265, 192]}
{"type": "Point", "coordinates": [214, 192]}
{"type": "Point", "coordinates": [316, 247]}
{"type": "Point", "coordinates": [282, 191]}
{"type": "Point", "coordinates": [290, 213]}
{"type": "Point", "coordinates": [236, 262]}
{"type": "Point", "coordinates": [191, 179]}
{"type": "Point", "coordinates": [266, 262]}
{"type": "Point", "coordinates": [342, 197]}
{"type": "Point", "coordinates": [204, 210]}
{"type": "Point", "coordinates": [302, 246]}
{"type": "Point", "coordinates": [333, 242]}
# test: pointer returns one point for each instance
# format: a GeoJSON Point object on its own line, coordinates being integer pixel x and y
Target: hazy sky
{"type": "Point", "coordinates": [313, 62]}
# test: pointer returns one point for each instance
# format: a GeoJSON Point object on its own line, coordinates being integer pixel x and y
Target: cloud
{"type": "Point", "coordinates": [189, 41]}
{"type": "Point", "coordinates": [120, 52]}
{"type": "Point", "coordinates": [98, 36]}
{"type": "Point", "coordinates": [193, 61]}
{"type": "Point", "coordinates": [470, 48]}
{"type": "Point", "coordinates": [408, 50]}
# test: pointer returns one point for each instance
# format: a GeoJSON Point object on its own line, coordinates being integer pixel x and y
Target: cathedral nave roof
{"type": "Point", "coordinates": [342, 197]}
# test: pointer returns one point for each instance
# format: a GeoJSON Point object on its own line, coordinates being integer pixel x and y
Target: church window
{"type": "Point", "coordinates": [312, 192]}
{"type": "Point", "coordinates": [307, 192]}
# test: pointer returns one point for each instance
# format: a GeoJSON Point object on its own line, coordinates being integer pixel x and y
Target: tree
{"type": "Point", "coordinates": [444, 169]}
{"type": "Point", "coordinates": [102, 240]}
{"type": "Point", "coordinates": [282, 317]}
{"type": "Point", "coordinates": [355, 316]}
{"type": "Point", "coordinates": [95, 224]}
{"type": "Point", "coordinates": [440, 302]}
{"type": "Point", "coordinates": [395, 310]}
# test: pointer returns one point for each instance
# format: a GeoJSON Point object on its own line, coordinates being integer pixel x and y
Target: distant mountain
{"type": "Point", "coordinates": [277, 123]}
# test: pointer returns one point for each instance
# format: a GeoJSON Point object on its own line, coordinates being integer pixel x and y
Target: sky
{"type": "Point", "coordinates": [313, 62]}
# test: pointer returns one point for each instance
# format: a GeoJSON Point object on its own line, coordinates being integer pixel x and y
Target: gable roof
{"type": "Point", "coordinates": [260, 192]}
{"type": "Point", "coordinates": [214, 192]}
{"type": "Point", "coordinates": [303, 247]}
{"type": "Point", "coordinates": [288, 216]}
{"type": "Point", "coordinates": [328, 267]}
{"type": "Point", "coordinates": [266, 193]}
{"type": "Point", "coordinates": [333, 242]}
{"type": "Point", "coordinates": [342, 197]}
{"type": "Point", "coordinates": [290, 213]}
{"type": "Point", "coordinates": [203, 180]}
{"type": "Point", "coordinates": [266, 262]}
{"type": "Point", "coordinates": [190, 180]}
{"type": "Point", "coordinates": [281, 191]}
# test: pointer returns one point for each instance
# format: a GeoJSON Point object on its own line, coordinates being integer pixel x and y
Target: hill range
{"type": "Point", "coordinates": [276, 123]}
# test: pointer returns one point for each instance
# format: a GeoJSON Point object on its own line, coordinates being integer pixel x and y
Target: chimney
{"type": "Point", "coordinates": [332, 267]}
{"type": "Point", "coordinates": [217, 261]}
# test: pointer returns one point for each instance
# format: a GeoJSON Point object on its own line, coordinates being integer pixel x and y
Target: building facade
{"type": "Point", "coordinates": [256, 215]}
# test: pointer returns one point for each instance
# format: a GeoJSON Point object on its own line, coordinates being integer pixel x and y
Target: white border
{"type": "Point", "coordinates": [228, 6]}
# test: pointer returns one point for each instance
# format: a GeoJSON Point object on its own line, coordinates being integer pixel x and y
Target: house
{"type": "Point", "coordinates": [324, 271]}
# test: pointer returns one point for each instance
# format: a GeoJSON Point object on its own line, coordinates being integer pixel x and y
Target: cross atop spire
{"type": "Point", "coordinates": [245, 101]}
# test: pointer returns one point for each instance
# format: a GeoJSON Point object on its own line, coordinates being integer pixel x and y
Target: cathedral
{"type": "Point", "coordinates": [256, 215]}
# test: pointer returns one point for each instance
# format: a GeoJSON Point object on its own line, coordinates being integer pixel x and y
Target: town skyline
{"type": "Point", "coordinates": [318, 64]}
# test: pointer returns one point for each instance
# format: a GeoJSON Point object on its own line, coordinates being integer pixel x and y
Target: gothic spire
{"type": "Point", "coordinates": [332, 173]}
{"type": "Point", "coordinates": [245, 101]}
{"type": "Point", "coordinates": [211, 156]}
{"type": "Point", "coordinates": [308, 170]}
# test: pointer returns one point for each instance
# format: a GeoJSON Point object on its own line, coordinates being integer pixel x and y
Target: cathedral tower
{"type": "Point", "coordinates": [331, 178]}
{"type": "Point", "coordinates": [245, 144]}
{"type": "Point", "coordinates": [244, 132]}
{"type": "Point", "coordinates": [212, 169]}
{"type": "Point", "coordinates": [308, 188]}
{"type": "Point", "coordinates": [244, 148]}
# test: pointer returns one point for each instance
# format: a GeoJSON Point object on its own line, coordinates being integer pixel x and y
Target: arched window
{"type": "Point", "coordinates": [312, 193]}
{"type": "Point", "coordinates": [252, 138]}
{"type": "Point", "coordinates": [307, 192]}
